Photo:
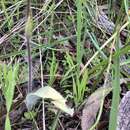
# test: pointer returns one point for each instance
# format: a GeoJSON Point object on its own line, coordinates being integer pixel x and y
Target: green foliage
{"type": "Point", "coordinates": [53, 69]}
{"type": "Point", "coordinates": [9, 75]}
{"type": "Point", "coordinates": [127, 6]}
{"type": "Point", "coordinates": [30, 115]}
{"type": "Point", "coordinates": [116, 89]}
{"type": "Point", "coordinates": [79, 87]}
{"type": "Point", "coordinates": [71, 28]}
{"type": "Point", "coordinates": [79, 84]}
{"type": "Point", "coordinates": [79, 47]}
{"type": "Point", "coordinates": [7, 123]}
{"type": "Point", "coordinates": [9, 20]}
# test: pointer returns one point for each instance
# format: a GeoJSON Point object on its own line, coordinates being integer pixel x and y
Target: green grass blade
{"type": "Point", "coordinates": [96, 44]}
{"type": "Point", "coordinates": [116, 90]}
{"type": "Point", "coordinates": [53, 69]}
{"type": "Point", "coordinates": [7, 123]}
{"type": "Point", "coordinates": [78, 33]}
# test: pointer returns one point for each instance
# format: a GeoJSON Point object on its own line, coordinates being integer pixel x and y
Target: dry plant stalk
{"type": "Point", "coordinates": [28, 34]}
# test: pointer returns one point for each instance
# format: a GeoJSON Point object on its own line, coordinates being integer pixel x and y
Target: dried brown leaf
{"type": "Point", "coordinates": [123, 122]}
{"type": "Point", "coordinates": [92, 106]}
